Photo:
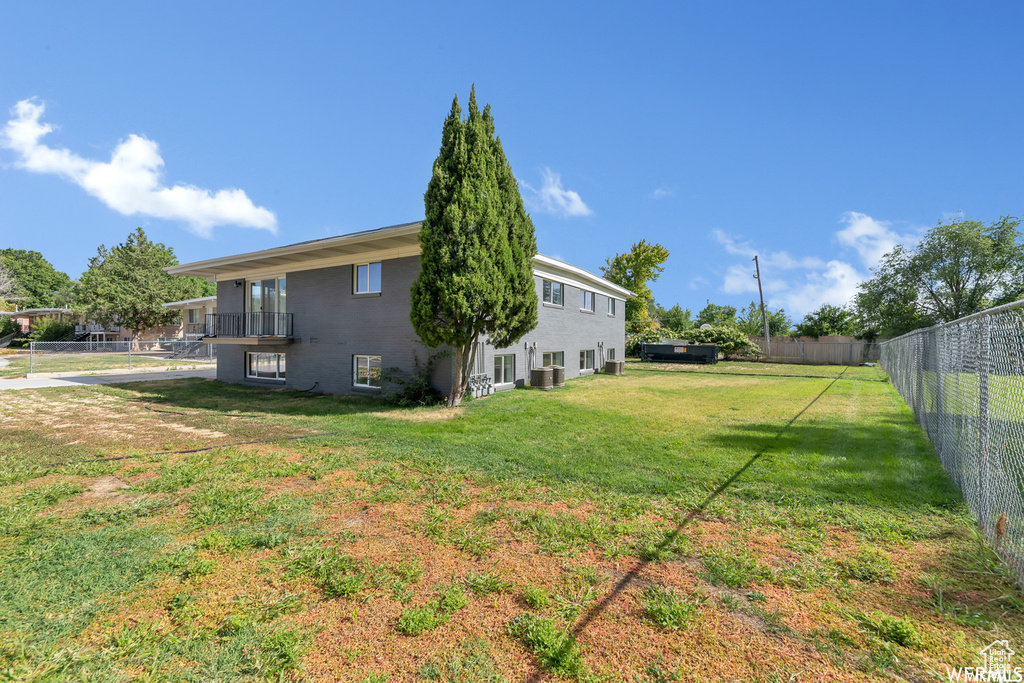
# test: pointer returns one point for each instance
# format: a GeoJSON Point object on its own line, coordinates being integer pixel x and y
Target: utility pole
{"type": "Point", "coordinates": [764, 316]}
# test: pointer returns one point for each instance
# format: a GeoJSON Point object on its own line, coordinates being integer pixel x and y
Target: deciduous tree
{"type": "Point", "coordinates": [750, 322]}
{"type": "Point", "coordinates": [127, 285]}
{"type": "Point", "coordinates": [477, 247]}
{"type": "Point", "coordinates": [634, 270]}
{"type": "Point", "coordinates": [39, 283]}
{"type": "Point", "coordinates": [713, 314]}
{"type": "Point", "coordinates": [958, 268]}
{"type": "Point", "coordinates": [827, 321]}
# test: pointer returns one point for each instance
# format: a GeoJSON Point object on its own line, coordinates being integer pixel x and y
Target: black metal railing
{"type": "Point", "coordinates": [249, 325]}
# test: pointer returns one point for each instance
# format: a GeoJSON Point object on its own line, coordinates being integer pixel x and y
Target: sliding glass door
{"type": "Point", "coordinates": [266, 300]}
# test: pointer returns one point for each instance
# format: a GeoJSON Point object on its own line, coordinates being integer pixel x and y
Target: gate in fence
{"type": "Point", "coordinates": [964, 380]}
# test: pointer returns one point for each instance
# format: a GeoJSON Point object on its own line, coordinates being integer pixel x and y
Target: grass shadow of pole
{"type": "Point", "coordinates": [598, 607]}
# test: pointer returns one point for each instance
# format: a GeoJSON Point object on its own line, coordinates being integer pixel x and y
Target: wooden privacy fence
{"type": "Point", "coordinates": [822, 351]}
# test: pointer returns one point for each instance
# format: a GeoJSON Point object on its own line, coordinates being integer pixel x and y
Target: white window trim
{"type": "Point", "coordinates": [587, 294]}
{"type": "Point", "coordinates": [552, 354]}
{"type": "Point", "coordinates": [277, 372]}
{"type": "Point", "coordinates": [355, 370]}
{"type": "Point", "coordinates": [592, 357]}
{"type": "Point", "coordinates": [561, 290]}
{"type": "Point", "coordinates": [503, 383]}
{"type": "Point", "coordinates": [355, 277]}
{"type": "Point", "coordinates": [611, 307]}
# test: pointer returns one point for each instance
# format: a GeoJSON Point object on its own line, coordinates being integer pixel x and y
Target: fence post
{"type": "Point", "coordinates": [31, 356]}
{"type": "Point", "coordinates": [129, 355]}
{"type": "Point", "coordinates": [983, 425]}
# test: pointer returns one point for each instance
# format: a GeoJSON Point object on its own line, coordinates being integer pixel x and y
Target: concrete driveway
{"type": "Point", "coordinates": [120, 378]}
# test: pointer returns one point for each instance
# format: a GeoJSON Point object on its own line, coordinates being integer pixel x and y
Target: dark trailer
{"type": "Point", "coordinates": [679, 353]}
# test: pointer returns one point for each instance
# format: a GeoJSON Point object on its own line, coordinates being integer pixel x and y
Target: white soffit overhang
{"type": "Point", "coordinates": [560, 271]}
{"type": "Point", "coordinates": [396, 241]}
{"type": "Point", "coordinates": [371, 245]}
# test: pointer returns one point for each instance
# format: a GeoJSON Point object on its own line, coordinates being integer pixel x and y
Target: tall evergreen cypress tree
{"type": "Point", "coordinates": [477, 247]}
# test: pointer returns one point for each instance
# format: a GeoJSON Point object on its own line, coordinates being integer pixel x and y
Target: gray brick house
{"type": "Point", "coordinates": [332, 313]}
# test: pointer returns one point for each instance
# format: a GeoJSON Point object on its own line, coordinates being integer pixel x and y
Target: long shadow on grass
{"type": "Point", "coordinates": [885, 462]}
{"type": "Point", "coordinates": [600, 606]}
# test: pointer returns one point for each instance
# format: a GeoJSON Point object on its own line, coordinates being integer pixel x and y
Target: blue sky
{"type": "Point", "coordinates": [816, 135]}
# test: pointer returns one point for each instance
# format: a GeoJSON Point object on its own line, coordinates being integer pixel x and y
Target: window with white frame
{"type": "Point", "coordinates": [366, 371]}
{"type": "Point", "coordinates": [553, 358]}
{"type": "Point", "coordinates": [265, 366]}
{"type": "Point", "coordinates": [611, 354]}
{"type": "Point", "coordinates": [505, 369]}
{"type": "Point", "coordinates": [193, 315]}
{"type": "Point", "coordinates": [367, 278]}
{"type": "Point", "coordinates": [587, 359]}
{"type": "Point", "coordinates": [552, 292]}
{"type": "Point", "coordinates": [611, 306]}
{"type": "Point", "coordinates": [586, 301]}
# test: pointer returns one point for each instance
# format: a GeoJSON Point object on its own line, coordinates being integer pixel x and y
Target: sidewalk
{"type": "Point", "coordinates": [78, 380]}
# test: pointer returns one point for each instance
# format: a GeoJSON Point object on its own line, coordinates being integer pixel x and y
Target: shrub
{"type": "Point", "coordinates": [52, 329]}
{"type": "Point", "coordinates": [731, 340]}
{"type": "Point", "coordinates": [8, 326]}
{"type": "Point", "coordinates": [633, 341]}
{"type": "Point", "coordinates": [415, 389]}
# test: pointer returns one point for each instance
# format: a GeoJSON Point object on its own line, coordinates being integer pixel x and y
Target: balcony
{"type": "Point", "coordinates": [253, 329]}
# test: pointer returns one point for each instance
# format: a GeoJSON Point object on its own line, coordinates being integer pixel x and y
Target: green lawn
{"type": "Point", "coordinates": [85, 363]}
{"type": "Point", "coordinates": [650, 527]}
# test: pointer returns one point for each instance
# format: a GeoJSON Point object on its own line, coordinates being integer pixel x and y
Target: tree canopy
{"type": "Point", "coordinates": [477, 246]}
{"type": "Point", "coordinates": [827, 321]}
{"type": "Point", "coordinates": [634, 270]}
{"type": "Point", "coordinates": [675, 318]}
{"type": "Point", "coordinates": [958, 268]}
{"type": "Point", "coordinates": [39, 284]}
{"type": "Point", "coordinates": [713, 314]}
{"type": "Point", "coordinates": [750, 322]}
{"type": "Point", "coordinates": [127, 285]}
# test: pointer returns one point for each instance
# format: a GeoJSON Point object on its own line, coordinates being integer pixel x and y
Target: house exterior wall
{"type": "Point", "coordinates": [568, 329]}
{"type": "Point", "coordinates": [331, 324]}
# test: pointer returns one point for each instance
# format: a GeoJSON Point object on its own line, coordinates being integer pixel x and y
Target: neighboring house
{"type": "Point", "coordinates": [91, 331]}
{"type": "Point", "coordinates": [334, 313]}
{"type": "Point", "coordinates": [27, 318]}
{"type": "Point", "coordinates": [194, 319]}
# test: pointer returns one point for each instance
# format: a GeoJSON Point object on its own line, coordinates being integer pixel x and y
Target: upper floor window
{"type": "Point", "coordinates": [367, 278]}
{"type": "Point", "coordinates": [552, 292]}
{"type": "Point", "coordinates": [586, 300]}
{"type": "Point", "coordinates": [611, 306]}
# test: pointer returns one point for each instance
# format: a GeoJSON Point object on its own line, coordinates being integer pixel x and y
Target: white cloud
{"type": "Point", "coordinates": [802, 285]}
{"type": "Point", "coordinates": [554, 199]}
{"type": "Point", "coordinates": [661, 193]}
{"type": "Point", "coordinates": [699, 283]}
{"type": "Point", "coordinates": [871, 239]}
{"type": "Point", "coordinates": [131, 182]}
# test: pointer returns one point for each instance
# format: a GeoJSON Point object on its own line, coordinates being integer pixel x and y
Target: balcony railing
{"type": "Point", "coordinates": [236, 325]}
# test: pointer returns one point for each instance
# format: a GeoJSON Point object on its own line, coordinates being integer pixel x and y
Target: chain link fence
{"type": "Point", "coordinates": [96, 356]}
{"type": "Point", "coordinates": [964, 381]}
